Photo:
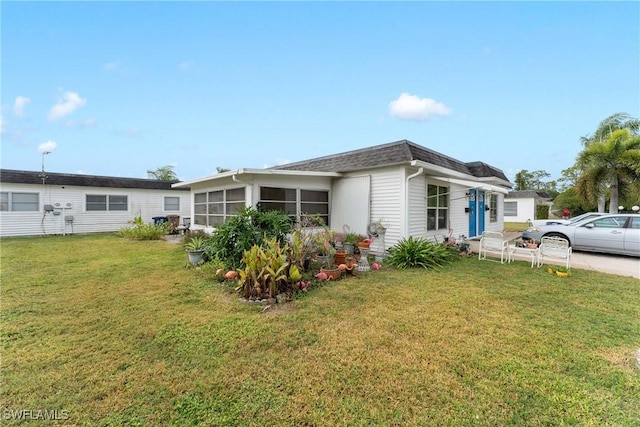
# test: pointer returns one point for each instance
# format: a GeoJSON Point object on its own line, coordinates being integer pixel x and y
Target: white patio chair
{"type": "Point", "coordinates": [493, 242]}
{"type": "Point", "coordinates": [555, 248]}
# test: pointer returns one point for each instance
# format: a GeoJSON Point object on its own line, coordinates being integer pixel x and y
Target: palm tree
{"type": "Point", "coordinates": [612, 162]}
{"type": "Point", "coordinates": [163, 173]}
{"type": "Point", "coordinates": [593, 184]}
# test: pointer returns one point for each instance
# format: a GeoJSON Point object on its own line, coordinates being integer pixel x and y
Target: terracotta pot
{"type": "Point", "coordinates": [340, 258]}
{"type": "Point", "coordinates": [334, 274]}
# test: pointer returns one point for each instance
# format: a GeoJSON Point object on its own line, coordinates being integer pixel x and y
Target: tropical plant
{"type": "Point", "coordinates": [196, 243]}
{"type": "Point", "coordinates": [612, 163]}
{"type": "Point", "coordinates": [600, 164]}
{"type": "Point", "coordinates": [266, 270]}
{"type": "Point", "coordinates": [418, 252]}
{"type": "Point", "coordinates": [163, 173]}
{"type": "Point", "coordinates": [239, 233]}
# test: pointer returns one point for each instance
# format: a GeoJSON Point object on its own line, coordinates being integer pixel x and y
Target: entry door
{"type": "Point", "coordinates": [481, 203]}
{"type": "Point", "coordinates": [476, 212]}
{"type": "Point", "coordinates": [472, 213]}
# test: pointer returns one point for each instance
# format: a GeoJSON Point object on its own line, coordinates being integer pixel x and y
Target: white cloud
{"type": "Point", "coordinates": [47, 147]}
{"type": "Point", "coordinates": [410, 107]}
{"type": "Point", "coordinates": [19, 105]}
{"type": "Point", "coordinates": [70, 102]}
{"type": "Point", "coordinates": [3, 123]}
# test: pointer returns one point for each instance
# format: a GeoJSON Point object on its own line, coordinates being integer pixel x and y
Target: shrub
{"type": "Point", "coordinates": [239, 233]}
{"type": "Point", "coordinates": [144, 231]}
{"type": "Point", "coordinates": [412, 252]}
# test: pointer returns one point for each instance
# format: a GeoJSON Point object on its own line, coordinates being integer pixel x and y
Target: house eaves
{"type": "Point", "coordinates": [247, 171]}
{"type": "Point", "coordinates": [54, 178]}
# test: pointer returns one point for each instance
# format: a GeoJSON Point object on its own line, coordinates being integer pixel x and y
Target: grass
{"type": "Point", "coordinates": [117, 332]}
{"type": "Point", "coordinates": [516, 226]}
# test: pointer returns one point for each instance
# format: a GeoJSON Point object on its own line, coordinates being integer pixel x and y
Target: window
{"type": "Point", "coordinates": [19, 202]}
{"type": "Point", "coordinates": [296, 202]}
{"type": "Point", "coordinates": [171, 203]}
{"type": "Point", "coordinates": [510, 208]}
{"type": "Point", "coordinates": [493, 208]}
{"type": "Point", "coordinates": [437, 207]}
{"type": "Point", "coordinates": [101, 202]}
{"type": "Point", "coordinates": [215, 207]}
{"type": "Point", "coordinates": [609, 222]}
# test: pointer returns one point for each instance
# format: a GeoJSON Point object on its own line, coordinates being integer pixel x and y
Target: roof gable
{"type": "Point", "coordinates": [30, 177]}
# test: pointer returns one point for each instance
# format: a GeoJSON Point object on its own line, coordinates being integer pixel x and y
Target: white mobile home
{"type": "Point", "coordinates": [414, 191]}
{"type": "Point", "coordinates": [70, 203]}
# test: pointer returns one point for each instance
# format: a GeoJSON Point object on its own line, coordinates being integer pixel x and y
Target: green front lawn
{"type": "Point", "coordinates": [119, 332]}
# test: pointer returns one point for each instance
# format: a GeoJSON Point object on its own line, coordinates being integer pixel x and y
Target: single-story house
{"type": "Point", "coordinates": [412, 190]}
{"type": "Point", "coordinates": [69, 203]}
{"type": "Point", "coordinates": [521, 206]}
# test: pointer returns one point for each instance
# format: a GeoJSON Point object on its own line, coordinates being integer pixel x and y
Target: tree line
{"type": "Point", "coordinates": [606, 173]}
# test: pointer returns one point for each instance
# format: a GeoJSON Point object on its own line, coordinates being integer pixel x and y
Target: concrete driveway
{"type": "Point", "coordinates": [604, 263]}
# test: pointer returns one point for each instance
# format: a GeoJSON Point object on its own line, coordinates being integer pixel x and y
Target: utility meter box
{"type": "Point", "coordinates": [48, 208]}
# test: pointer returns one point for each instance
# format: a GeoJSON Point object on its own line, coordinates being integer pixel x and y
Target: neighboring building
{"type": "Point", "coordinates": [413, 190]}
{"type": "Point", "coordinates": [67, 203]}
{"type": "Point", "coordinates": [520, 206]}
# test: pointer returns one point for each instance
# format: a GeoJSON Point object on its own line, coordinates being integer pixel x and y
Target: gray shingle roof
{"type": "Point", "coordinates": [30, 177]}
{"type": "Point", "coordinates": [398, 152]}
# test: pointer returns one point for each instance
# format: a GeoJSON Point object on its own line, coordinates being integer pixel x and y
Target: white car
{"type": "Point", "coordinates": [539, 222]}
{"type": "Point", "coordinates": [604, 233]}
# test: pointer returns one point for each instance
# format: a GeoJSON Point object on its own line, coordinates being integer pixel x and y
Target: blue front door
{"type": "Point", "coordinates": [472, 213]}
{"type": "Point", "coordinates": [476, 212]}
{"type": "Point", "coordinates": [480, 197]}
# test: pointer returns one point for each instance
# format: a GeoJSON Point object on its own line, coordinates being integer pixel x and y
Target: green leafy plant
{"type": "Point", "coordinates": [419, 252]}
{"type": "Point", "coordinates": [196, 243]}
{"type": "Point", "coordinates": [141, 231]}
{"type": "Point", "coordinates": [266, 271]}
{"type": "Point", "coordinates": [239, 233]}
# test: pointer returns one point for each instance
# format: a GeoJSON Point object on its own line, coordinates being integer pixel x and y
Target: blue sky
{"type": "Point", "coordinates": [119, 87]}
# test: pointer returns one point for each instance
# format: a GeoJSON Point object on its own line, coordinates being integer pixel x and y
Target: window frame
{"type": "Point", "coordinates": [11, 203]}
{"type": "Point", "coordinates": [438, 203]}
{"type": "Point", "coordinates": [493, 208]}
{"type": "Point", "coordinates": [509, 204]}
{"type": "Point", "coordinates": [110, 204]}
{"type": "Point", "coordinates": [295, 198]}
{"type": "Point", "coordinates": [215, 210]}
{"type": "Point", "coordinates": [169, 207]}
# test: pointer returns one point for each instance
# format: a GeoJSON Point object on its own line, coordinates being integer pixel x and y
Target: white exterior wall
{"type": "Point", "coordinates": [526, 209]}
{"type": "Point", "coordinates": [149, 203]}
{"type": "Point", "coordinates": [458, 218]}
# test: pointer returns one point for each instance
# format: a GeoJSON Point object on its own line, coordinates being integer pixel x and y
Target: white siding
{"type": "Point", "coordinates": [526, 209]}
{"type": "Point", "coordinates": [147, 203]}
{"type": "Point", "coordinates": [350, 202]}
{"type": "Point", "coordinates": [388, 201]}
{"type": "Point", "coordinates": [418, 207]}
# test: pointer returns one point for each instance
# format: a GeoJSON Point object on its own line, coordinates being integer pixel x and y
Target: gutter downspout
{"type": "Point", "coordinates": [247, 184]}
{"type": "Point", "coordinates": [406, 201]}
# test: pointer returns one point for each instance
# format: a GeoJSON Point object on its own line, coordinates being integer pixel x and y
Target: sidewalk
{"type": "Point", "coordinates": [611, 264]}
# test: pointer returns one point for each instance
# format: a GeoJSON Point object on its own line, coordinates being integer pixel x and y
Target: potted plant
{"type": "Point", "coordinates": [563, 272]}
{"type": "Point", "coordinates": [350, 241]}
{"type": "Point", "coordinates": [195, 247]}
